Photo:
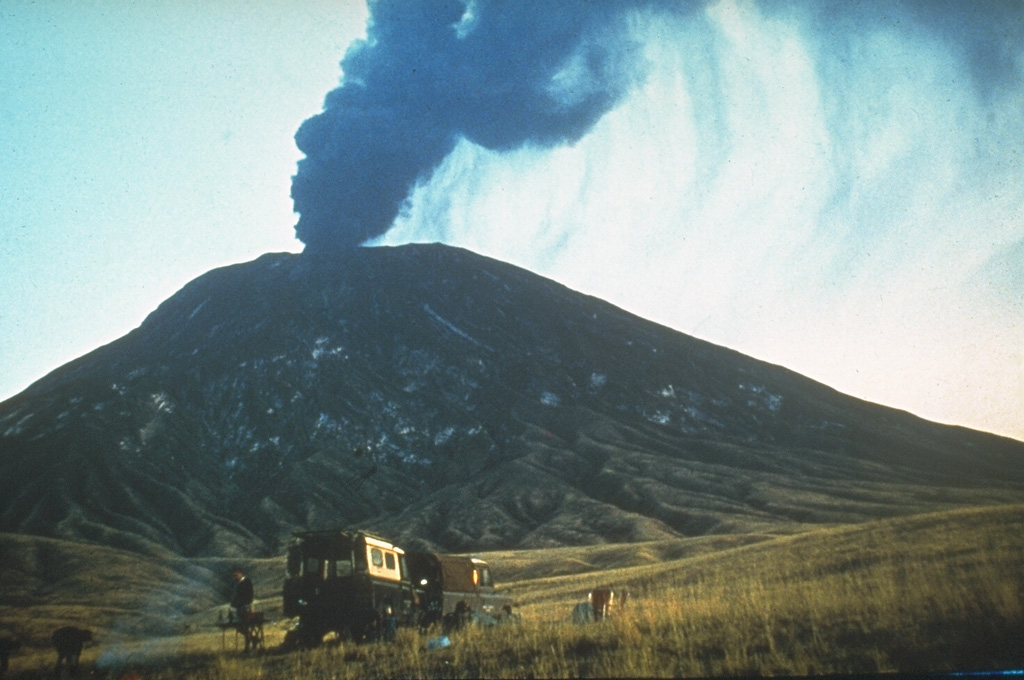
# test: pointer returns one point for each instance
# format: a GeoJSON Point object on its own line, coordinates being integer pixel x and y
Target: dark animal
{"type": "Point", "coordinates": [8, 646]}
{"type": "Point", "coordinates": [68, 641]}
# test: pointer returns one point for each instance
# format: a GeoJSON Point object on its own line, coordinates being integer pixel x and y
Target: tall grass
{"type": "Point", "coordinates": [931, 593]}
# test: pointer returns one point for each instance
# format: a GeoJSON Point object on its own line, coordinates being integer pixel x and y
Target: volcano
{"type": "Point", "coordinates": [455, 402]}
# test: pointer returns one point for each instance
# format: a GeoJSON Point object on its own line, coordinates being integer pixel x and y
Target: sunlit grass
{"type": "Point", "coordinates": [936, 592]}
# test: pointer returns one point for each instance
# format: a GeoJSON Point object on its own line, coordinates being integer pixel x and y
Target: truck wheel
{"type": "Point", "coordinates": [367, 627]}
{"type": "Point", "coordinates": [310, 638]}
{"type": "Point", "coordinates": [291, 640]}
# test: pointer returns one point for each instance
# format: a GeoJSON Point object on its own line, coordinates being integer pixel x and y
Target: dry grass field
{"type": "Point", "coordinates": [935, 592]}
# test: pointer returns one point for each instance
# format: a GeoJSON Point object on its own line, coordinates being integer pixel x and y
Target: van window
{"type": "Point", "coordinates": [384, 564]}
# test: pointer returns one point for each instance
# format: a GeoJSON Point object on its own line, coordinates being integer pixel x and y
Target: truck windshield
{"type": "Point", "coordinates": [314, 566]}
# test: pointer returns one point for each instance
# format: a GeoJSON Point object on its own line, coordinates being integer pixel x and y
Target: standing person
{"type": "Point", "coordinates": [8, 645]}
{"type": "Point", "coordinates": [68, 642]}
{"type": "Point", "coordinates": [390, 624]}
{"type": "Point", "coordinates": [241, 598]}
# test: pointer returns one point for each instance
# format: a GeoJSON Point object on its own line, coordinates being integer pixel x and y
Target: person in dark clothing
{"type": "Point", "coordinates": [68, 642]}
{"type": "Point", "coordinates": [390, 625]}
{"type": "Point", "coordinates": [8, 646]}
{"type": "Point", "coordinates": [241, 598]}
{"type": "Point", "coordinates": [460, 618]}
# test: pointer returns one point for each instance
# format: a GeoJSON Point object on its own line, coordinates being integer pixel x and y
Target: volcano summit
{"type": "Point", "coordinates": [453, 401]}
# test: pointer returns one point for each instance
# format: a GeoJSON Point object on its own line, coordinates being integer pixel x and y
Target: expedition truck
{"type": "Point", "coordinates": [450, 585]}
{"type": "Point", "coordinates": [345, 583]}
{"type": "Point", "coordinates": [351, 583]}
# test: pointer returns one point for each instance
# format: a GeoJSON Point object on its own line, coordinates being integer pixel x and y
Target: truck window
{"type": "Point", "coordinates": [384, 564]}
{"type": "Point", "coordinates": [315, 567]}
{"type": "Point", "coordinates": [342, 568]}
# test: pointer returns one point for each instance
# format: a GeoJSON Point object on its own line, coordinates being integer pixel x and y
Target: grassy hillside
{"type": "Point", "coordinates": [48, 583]}
{"type": "Point", "coordinates": [933, 592]}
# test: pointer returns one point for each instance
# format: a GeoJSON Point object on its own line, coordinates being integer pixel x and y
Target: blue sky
{"type": "Point", "coordinates": [144, 143]}
{"type": "Point", "coordinates": [841, 195]}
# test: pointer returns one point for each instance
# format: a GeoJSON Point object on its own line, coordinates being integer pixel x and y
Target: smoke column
{"type": "Point", "coordinates": [430, 73]}
{"type": "Point", "coordinates": [836, 187]}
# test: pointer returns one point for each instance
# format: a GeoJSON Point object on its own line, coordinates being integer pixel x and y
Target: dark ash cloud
{"type": "Point", "coordinates": [500, 74]}
{"type": "Point", "coordinates": [504, 74]}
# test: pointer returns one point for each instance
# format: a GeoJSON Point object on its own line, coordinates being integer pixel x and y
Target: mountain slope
{"type": "Point", "coordinates": [449, 399]}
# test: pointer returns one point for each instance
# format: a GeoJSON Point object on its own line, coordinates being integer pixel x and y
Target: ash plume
{"type": "Point", "coordinates": [504, 75]}
{"type": "Point", "coordinates": [499, 74]}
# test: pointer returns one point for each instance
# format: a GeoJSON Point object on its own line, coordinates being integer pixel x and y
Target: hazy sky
{"type": "Point", "coordinates": [840, 191]}
{"type": "Point", "coordinates": [142, 144]}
